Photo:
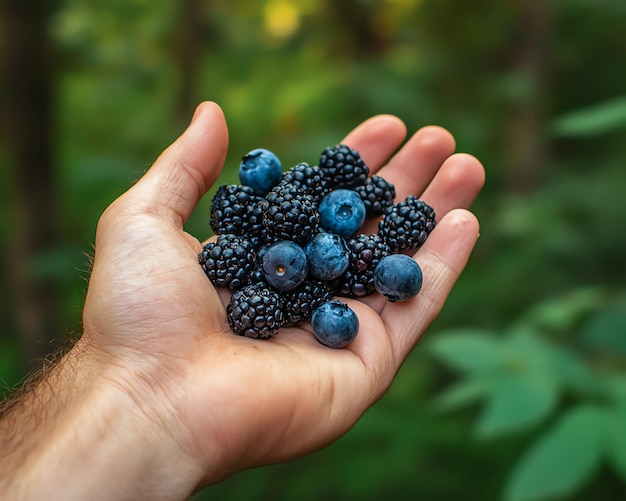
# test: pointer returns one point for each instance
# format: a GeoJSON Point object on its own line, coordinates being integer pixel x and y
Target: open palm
{"type": "Point", "coordinates": [232, 402]}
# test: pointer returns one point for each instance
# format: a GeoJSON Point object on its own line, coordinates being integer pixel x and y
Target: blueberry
{"type": "Point", "coordinates": [334, 324]}
{"type": "Point", "coordinates": [398, 277]}
{"type": "Point", "coordinates": [328, 256]}
{"type": "Point", "coordinates": [285, 265]}
{"type": "Point", "coordinates": [261, 170]}
{"type": "Point", "coordinates": [343, 212]}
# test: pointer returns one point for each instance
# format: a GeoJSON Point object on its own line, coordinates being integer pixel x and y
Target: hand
{"type": "Point", "coordinates": [212, 403]}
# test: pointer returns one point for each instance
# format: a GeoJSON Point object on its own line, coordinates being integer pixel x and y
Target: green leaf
{"type": "Point", "coordinates": [563, 459]}
{"type": "Point", "coordinates": [527, 350]}
{"type": "Point", "coordinates": [572, 371]}
{"type": "Point", "coordinates": [594, 120]}
{"type": "Point", "coordinates": [538, 354]}
{"type": "Point", "coordinates": [460, 394]}
{"type": "Point", "coordinates": [515, 402]}
{"type": "Point", "coordinates": [606, 330]}
{"type": "Point", "coordinates": [615, 387]}
{"type": "Point", "coordinates": [470, 351]}
{"type": "Point", "coordinates": [562, 312]}
{"type": "Point", "coordinates": [617, 440]}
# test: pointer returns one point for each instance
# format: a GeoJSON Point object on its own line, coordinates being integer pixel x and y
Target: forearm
{"type": "Point", "coordinates": [78, 434]}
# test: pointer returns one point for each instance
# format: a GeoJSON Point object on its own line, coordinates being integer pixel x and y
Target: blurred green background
{"type": "Point", "coordinates": [519, 390]}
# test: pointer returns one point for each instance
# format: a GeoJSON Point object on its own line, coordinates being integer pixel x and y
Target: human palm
{"type": "Point", "coordinates": [233, 402]}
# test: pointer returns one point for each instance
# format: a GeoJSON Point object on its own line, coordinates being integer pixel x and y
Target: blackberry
{"type": "Point", "coordinates": [230, 208]}
{"type": "Point", "coordinates": [309, 178]}
{"type": "Point", "coordinates": [255, 311]}
{"type": "Point", "coordinates": [343, 167]}
{"type": "Point", "coordinates": [228, 262]}
{"type": "Point", "coordinates": [366, 251]}
{"type": "Point", "coordinates": [303, 300]}
{"type": "Point", "coordinates": [253, 225]}
{"type": "Point", "coordinates": [377, 195]}
{"type": "Point", "coordinates": [407, 224]}
{"type": "Point", "coordinates": [289, 214]}
{"type": "Point", "coordinates": [257, 275]}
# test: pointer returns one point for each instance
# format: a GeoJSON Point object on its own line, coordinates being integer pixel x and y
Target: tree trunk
{"type": "Point", "coordinates": [27, 121]}
{"type": "Point", "coordinates": [190, 38]}
{"type": "Point", "coordinates": [528, 113]}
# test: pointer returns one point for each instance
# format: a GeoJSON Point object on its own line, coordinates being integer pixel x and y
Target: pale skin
{"type": "Point", "coordinates": [159, 398]}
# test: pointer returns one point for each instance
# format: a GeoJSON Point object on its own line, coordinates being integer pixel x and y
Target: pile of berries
{"type": "Point", "coordinates": [289, 243]}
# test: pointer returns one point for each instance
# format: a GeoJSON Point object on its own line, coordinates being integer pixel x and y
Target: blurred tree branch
{"type": "Point", "coordinates": [358, 31]}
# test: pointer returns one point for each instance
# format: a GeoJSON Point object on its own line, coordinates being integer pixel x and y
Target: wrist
{"type": "Point", "coordinates": [96, 439]}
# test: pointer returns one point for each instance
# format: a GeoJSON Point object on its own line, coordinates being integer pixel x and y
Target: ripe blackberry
{"type": "Point", "coordinates": [407, 224]}
{"type": "Point", "coordinates": [255, 311]}
{"type": "Point", "coordinates": [366, 251]}
{"type": "Point", "coordinates": [230, 207]}
{"type": "Point", "coordinates": [257, 275]}
{"type": "Point", "coordinates": [309, 178]}
{"type": "Point", "coordinates": [253, 225]}
{"type": "Point", "coordinates": [377, 195]}
{"type": "Point", "coordinates": [303, 300]}
{"type": "Point", "coordinates": [343, 167]}
{"type": "Point", "coordinates": [229, 261]}
{"type": "Point", "coordinates": [289, 214]}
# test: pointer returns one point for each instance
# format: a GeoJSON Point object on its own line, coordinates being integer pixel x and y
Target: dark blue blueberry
{"type": "Point", "coordinates": [328, 256]}
{"type": "Point", "coordinates": [285, 265]}
{"type": "Point", "coordinates": [335, 324]}
{"type": "Point", "coordinates": [398, 277]}
{"type": "Point", "coordinates": [261, 170]}
{"type": "Point", "coordinates": [342, 212]}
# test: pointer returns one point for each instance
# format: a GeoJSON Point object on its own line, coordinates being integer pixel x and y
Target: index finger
{"type": "Point", "coordinates": [377, 139]}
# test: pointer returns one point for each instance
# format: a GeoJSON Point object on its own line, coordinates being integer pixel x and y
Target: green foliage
{"type": "Point", "coordinates": [616, 439]}
{"type": "Point", "coordinates": [605, 117]}
{"type": "Point", "coordinates": [542, 375]}
{"type": "Point", "coordinates": [563, 459]}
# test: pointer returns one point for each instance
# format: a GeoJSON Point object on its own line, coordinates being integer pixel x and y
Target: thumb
{"type": "Point", "coordinates": [186, 170]}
